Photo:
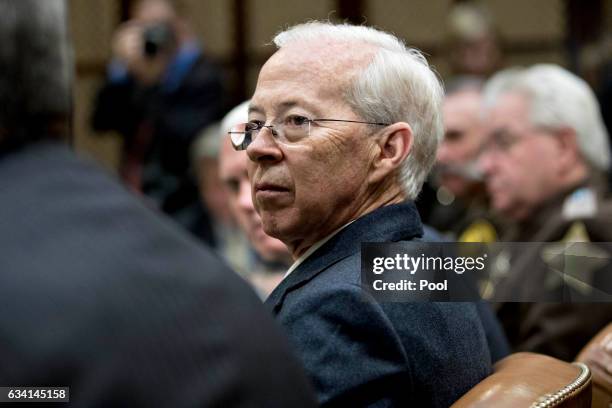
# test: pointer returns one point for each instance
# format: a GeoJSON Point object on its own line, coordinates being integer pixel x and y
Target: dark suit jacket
{"type": "Point", "coordinates": [496, 338]}
{"type": "Point", "coordinates": [360, 352]}
{"type": "Point", "coordinates": [100, 294]}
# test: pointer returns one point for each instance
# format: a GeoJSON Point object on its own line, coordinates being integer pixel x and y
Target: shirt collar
{"type": "Point", "coordinates": [313, 248]}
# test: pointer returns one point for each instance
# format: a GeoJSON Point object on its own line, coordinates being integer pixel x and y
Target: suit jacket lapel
{"type": "Point", "coordinates": [387, 224]}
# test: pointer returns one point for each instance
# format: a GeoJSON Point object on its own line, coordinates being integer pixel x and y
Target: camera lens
{"type": "Point", "coordinates": [156, 39]}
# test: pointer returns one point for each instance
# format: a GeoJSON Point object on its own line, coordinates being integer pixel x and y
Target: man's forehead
{"type": "Point", "coordinates": [462, 107]}
{"type": "Point", "coordinates": [467, 100]}
{"type": "Point", "coordinates": [329, 53]}
{"type": "Point", "coordinates": [326, 62]}
{"type": "Point", "coordinates": [510, 106]}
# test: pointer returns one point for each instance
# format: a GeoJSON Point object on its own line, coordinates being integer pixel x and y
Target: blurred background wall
{"type": "Point", "coordinates": [235, 34]}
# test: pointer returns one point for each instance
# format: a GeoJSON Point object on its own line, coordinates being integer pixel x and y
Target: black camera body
{"type": "Point", "coordinates": [157, 38]}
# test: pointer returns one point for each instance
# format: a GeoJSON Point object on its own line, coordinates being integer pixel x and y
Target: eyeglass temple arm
{"type": "Point", "coordinates": [351, 121]}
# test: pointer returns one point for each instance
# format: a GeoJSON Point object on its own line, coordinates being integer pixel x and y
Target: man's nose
{"type": "Point", "coordinates": [245, 201]}
{"type": "Point", "coordinates": [443, 153]}
{"type": "Point", "coordinates": [485, 162]}
{"type": "Point", "coordinates": [264, 148]}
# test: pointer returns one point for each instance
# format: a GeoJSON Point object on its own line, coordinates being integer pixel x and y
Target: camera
{"type": "Point", "coordinates": [157, 38]}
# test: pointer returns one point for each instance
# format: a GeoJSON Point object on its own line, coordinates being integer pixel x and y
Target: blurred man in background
{"type": "Point", "coordinates": [461, 207]}
{"type": "Point", "coordinates": [97, 292]}
{"type": "Point", "coordinates": [472, 41]}
{"type": "Point", "coordinates": [545, 164]}
{"type": "Point", "coordinates": [473, 51]}
{"type": "Point", "coordinates": [160, 92]}
{"type": "Point", "coordinates": [205, 162]}
{"type": "Point", "coordinates": [266, 267]}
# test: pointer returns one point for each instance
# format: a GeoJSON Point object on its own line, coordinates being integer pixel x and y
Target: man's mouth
{"type": "Point", "coordinates": [269, 191]}
{"type": "Point", "coordinates": [268, 187]}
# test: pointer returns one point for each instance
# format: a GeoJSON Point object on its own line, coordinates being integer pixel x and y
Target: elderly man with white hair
{"type": "Point", "coordinates": [343, 129]}
{"type": "Point", "coordinates": [545, 166]}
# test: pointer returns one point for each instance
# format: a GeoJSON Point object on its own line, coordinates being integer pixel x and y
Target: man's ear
{"type": "Point", "coordinates": [394, 144]}
{"type": "Point", "coordinates": [568, 149]}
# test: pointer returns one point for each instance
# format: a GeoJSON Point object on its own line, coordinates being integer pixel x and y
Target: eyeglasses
{"type": "Point", "coordinates": [292, 129]}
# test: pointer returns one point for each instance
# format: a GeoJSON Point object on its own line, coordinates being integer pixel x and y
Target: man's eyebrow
{"type": "Point", "coordinates": [255, 109]}
{"type": "Point", "coordinates": [283, 106]}
{"type": "Point", "coordinates": [453, 133]}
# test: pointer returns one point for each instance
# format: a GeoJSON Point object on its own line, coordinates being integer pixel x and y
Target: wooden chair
{"type": "Point", "coordinates": [597, 354]}
{"type": "Point", "coordinates": [531, 380]}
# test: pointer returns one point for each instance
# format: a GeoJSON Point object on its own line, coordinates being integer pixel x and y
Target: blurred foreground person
{"type": "Point", "coordinates": [97, 292]}
{"type": "Point", "coordinates": [343, 129]}
{"type": "Point", "coordinates": [159, 93]}
{"type": "Point", "coordinates": [267, 267]}
{"type": "Point", "coordinates": [461, 208]}
{"type": "Point", "coordinates": [544, 166]}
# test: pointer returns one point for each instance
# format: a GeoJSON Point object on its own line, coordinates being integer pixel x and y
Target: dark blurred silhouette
{"type": "Point", "coordinates": [160, 92]}
{"type": "Point", "coordinates": [97, 292]}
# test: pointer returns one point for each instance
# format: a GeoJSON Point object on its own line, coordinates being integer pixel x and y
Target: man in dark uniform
{"type": "Point", "coordinates": [544, 162]}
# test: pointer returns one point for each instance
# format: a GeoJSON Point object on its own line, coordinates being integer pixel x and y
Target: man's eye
{"type": "Point", "coordinates": [296, 120]}
{"type": "Point", "coordinates": [453, 135]}
{"type": "Point", "coordinates": [505, 141]}
{"type": "Point", "coordinates": [232, 185]}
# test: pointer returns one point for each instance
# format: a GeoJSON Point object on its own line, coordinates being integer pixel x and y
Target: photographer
{"type": "Point", "coordinates": [160, 91]}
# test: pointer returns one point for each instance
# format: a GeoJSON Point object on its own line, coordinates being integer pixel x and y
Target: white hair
{"type": "Point", "coordinates": [397, 86]}
{"type": "Point", "coordinates": [558, 99]}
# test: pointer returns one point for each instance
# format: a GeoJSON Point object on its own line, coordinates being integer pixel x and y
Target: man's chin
{"type": "Point", "coordinates": [269, 226]}
{"type": "Point", "coordinates": [259, 234]}
{"type": "Point", "coordinates": [272, 200]}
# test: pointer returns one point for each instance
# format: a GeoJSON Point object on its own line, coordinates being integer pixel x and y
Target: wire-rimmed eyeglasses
{"type": "Point", "coordinates": [292, 129]}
